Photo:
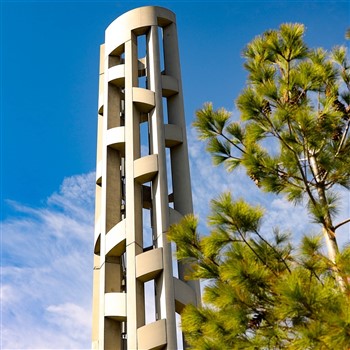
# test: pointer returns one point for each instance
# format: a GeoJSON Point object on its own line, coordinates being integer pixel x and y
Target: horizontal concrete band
{"type": "Point", "coordinates": [116, 76]}
{"type": "Point", "coordinates": [115, 138]}
{"type": "Point", "coordinates": [174, 216]}
{"type": "Point", "coordinates": [137, 21]}
{"type": "Point", "coordinates": [152, 336]}
{"type": "Point", "coordinates": [173, 135]}
{"type": "Point", "coordinates": [116, 239]}
{"type": "Point", "coordinates": [149, 264]}
{"type": "Point", "coordinates": [145, 168]}
{"type": "Point", "coordinates": [170, 85]}
{"type": "Point", "coordinates": [144, 101]}
{"type": "Point", "coordinates": [116, 73]}
{"type": "Point", "coordinates": [116, 303]}
{"type": "Point", "coordinates": [143, 98]}
{"type": "Point", "coordinates": [184, 295]}
{"type": "Point", "coordinates": [115, 306]}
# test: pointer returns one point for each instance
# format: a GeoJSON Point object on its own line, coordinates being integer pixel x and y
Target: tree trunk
{"type": "Point", "coordinates": [328, 228]}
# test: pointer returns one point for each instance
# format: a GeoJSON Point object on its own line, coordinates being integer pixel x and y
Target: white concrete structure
{"type": "Point", "coordinates": [140, 97]}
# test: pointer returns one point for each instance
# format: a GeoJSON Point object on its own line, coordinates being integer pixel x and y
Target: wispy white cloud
{"type": "Point", "coordinates": [46, 263]}
{"type": "Point", "coordinates": [70, 316]}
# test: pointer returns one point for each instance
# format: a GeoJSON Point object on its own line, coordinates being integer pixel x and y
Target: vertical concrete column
{"type": "Point", "coordinates": [97, 263]}
{"type": "Point", "coordinates": [110, 204]}
{"type": "Point", "coordinates": [176, 115]}
{"type": "Point", "coordinates": [96, 272]}
{"type": "Point", "coordinates": [103, 206]}
{"type": "Point", "coordinates": [165, 303]}
{"type": "Point", "coordinates": [111, 187]}
{"type": "Point", "coordinates": [95, 303]}
{"type": "Point", "coordinates": [180, 167]}
{"type": "Point", "coordinates": [112, 182]}
{"type": "Point", "coordinates": [134, 237]}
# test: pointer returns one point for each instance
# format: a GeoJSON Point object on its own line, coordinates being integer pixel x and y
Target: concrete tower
{"type": "Point", "coordinates": [142, 185]}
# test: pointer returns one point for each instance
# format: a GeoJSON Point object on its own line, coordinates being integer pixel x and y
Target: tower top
{"type": "Point", "coordinates": [136, 21]}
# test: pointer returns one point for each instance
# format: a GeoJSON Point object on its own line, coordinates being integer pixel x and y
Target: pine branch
{"type": "Point", "coordinates": [341, 224]}
{"type": "Point", "coordinates": [277, 134]}
{"type": "Point", "coordinates": [274, 249]}
{"type": "Point", "coordinates": [317, 277]}
{"type": "Point", "coordinates": [254, 252]}
{"type": "Point", "coordinates": [232, 143]}
{"type": "Point", "coordinates": [286, 175]}
{"type": "Point", "coordinates": [343, 138]}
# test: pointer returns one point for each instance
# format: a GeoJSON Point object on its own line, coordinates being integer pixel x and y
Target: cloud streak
{"type": "Point", "coordinates": [47, 270]}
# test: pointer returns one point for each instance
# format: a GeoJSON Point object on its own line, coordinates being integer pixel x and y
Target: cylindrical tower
{"type": "Point", "coordinates": [142, 185]}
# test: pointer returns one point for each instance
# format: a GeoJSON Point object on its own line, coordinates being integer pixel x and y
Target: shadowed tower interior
{"type": "Point", "coordinates": [142, 185]}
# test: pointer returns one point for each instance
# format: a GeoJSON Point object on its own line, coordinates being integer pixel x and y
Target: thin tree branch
{"type": "Point", "coordinates": [343, 138]}
{"type": "Point", "coordinates": [274, 249]}
{"type": "Point", "coordinates": [232, 157]}
{"type": "Point", "coordinates": [230, 141]}
{"type": "Point", "coordinates": [306, 182]}
{"type": "Point", "coordinates": [341, 224]}
{"type": "Point", "coordinates": [255, 253]}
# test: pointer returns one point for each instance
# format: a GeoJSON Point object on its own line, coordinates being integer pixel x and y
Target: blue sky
{"type": "Point", "coordinates": [49, 88]}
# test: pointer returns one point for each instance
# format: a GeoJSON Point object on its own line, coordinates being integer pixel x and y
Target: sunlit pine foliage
{"type": "Point", "coordinates": [260, 294]}
{"type": "Point", "coordinates": [292, 136]}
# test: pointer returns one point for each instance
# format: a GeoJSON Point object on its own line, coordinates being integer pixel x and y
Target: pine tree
{"type": "Point", "coordinates": [296, 101]}
{"type": "Point", "coordinates": [260, 294]}
{"type": "Point", "coordinates": [292, 139]}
